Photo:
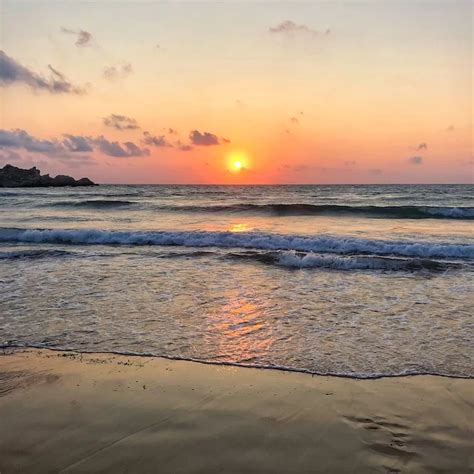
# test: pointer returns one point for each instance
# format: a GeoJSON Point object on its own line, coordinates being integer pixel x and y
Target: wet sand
{"type": "Point", "coordinates": [67, 412]}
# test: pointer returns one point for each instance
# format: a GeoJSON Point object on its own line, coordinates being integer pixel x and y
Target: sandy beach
{"type": "Point", "coordinates": [69, 412]}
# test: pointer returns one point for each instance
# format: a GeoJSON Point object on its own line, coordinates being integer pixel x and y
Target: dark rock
{"type": "Point", "coordinates": [13, 177]}
{"type": "Point", "coordinates": [85, 182]}
{"type": "Point", "coordinates": [62, 180]}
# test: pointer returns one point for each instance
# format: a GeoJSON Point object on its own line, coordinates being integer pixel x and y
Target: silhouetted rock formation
{"type": "Point", "coordinates": [13, 177]}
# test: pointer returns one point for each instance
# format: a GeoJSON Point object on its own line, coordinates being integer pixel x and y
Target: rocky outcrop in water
{"type": "Point", "coordinates": [13, 177]}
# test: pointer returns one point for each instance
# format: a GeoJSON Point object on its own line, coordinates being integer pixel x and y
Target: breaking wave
{"type": "Point", "coordinates": [293, 259]}
{"type": "Point", "coordinates": [388, 212]}
{"type": "Point", "coordinates": [29, 254]}
{"type": "Point", "coordinates": [246, 240]}
{"type": "Point", "coordinates": [93, 203]}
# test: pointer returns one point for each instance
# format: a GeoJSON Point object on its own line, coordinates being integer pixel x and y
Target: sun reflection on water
{"type": "Point", "coordinates": [239, 330]}
{"type": "Point", "coordinates": [241, 227]}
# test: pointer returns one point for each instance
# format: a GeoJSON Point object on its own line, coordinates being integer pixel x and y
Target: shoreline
{"type": "Point", "coordinates": [92, 412]}
{"type": "Point", "coordinates": [231, 364]}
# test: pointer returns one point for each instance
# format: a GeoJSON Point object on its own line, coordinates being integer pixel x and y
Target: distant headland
{"type": "Point", "coordinates": [13, 177]}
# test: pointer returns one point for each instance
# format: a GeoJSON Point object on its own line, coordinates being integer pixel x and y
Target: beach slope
{"type": "Point", "coordinates": [69, 412]}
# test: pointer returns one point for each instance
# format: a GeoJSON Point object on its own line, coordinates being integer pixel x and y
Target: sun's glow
{"type": "Point", "coordinates": [237, 161]}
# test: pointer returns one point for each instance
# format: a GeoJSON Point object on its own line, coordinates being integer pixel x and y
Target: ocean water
{"type": "Point", "coordinates": [360, 281]}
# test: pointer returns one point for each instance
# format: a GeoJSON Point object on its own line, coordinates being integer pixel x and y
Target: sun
{"type": "Point", "coordinates": [237, 161]}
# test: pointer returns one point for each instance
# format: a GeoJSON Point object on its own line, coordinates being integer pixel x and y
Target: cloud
{"type": "Point", "coordinates": [62, 150]}
{"type": "Point", "coordinates": [120, 122]}
{"type": "Point", "coordinates": [350, 163]}
{"type": "Point", "coordinates": [422, 146]}
{"type": "Point", "coordinates": [83, 38]}
{"type": "Point", "coordinates": [203, 139]}
{"type": "Point", "coordinates": [290, 28]}
{"type": "Point", "coordinates": [12, 72]}
{"type": "Point", "coordinates": [415, 160]}
{"type": "Point", "coordinates": [376, 171]}
{"type": "Point", "coordinates": [124, 150]}
{"type": "Point", "coordinates": [294, 120]}
{"type": "Point", "coordinates": [21, 139]}
{"type": "Point", "coordinates": [76, 143]}
{"type": "Point", "coordinates": [451, 128]}
{"type": "Point", "coordinates": [172, 131]}
{"type": "Point", "coordinates": [183, 146]}
{"type": "Point", "coordinates": [70, 146]}
{"type": "Point", "coordinates": [121, 71]}
{"type": "Point", "coordinates": [158, 141]}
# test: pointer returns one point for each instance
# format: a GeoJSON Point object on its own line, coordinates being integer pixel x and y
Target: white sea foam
{"type": "Point", "coordinates": [451, 212]}
{"type": "Point", "coordinates": [248, 240]}
{"type": "Point", "coordinates": [24, 254]}
{"type": "Point", "coordinates": [294, 259]}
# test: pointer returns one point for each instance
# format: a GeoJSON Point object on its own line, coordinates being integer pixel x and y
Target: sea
{"type": "Point", "coordinates": [359, 281]}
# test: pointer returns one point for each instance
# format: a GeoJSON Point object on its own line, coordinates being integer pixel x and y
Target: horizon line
{"type": "Point", "coordinates": [286, 184]}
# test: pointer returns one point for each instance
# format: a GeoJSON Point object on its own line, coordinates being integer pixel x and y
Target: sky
{"type": "Point", "coordinates": [374, 91]}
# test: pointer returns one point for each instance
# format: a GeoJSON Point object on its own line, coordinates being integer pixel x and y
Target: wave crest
{"type": "Point", "coordinates": [246, 240]}
{"type": "Point", "coordinates": [387, 212]}
{"type": "Point", "coordinates": [294, 259]}
{"type": "Point", "coordinates": [93, 203]}
{"type": "Point", "coordinates": [30, 254]}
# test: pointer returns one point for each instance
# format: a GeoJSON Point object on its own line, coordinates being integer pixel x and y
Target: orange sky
{"type": "Point", "coordinates": [314, 92]}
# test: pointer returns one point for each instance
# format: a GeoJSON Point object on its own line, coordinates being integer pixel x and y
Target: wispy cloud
{"type": "Point", "coordinates": [22, 139]}
{"type": "Point", "coordinates": [11, 72]}
{"type": "Point", "coordinates": [66, 150]}
{"type": "Point", "coordinates": [83, 38]}
{"type": "Point", "coordinates": [70, 146]}
{"type": "Point", "coordinates": [115, 149]}
{"type": "Point", "coordinates": [186, 147]}
{"type": "Point", "coordinates": [77, 143]}
{"type": "Point", "coordinates": [203, 139]}
{"type": "Point", "coordinates": [183, 146]}
{"type": "Point", "coordinates": [120, 71]}
{"type": "Point", "coordinates": [422, 146]}
{"type": "Point", "coordinates": [415, 160]}
{"type": "Point", "coordinates": [153, 140]}
{"type": "Point", "coordinates": [290, 28]}
{"type": "Point", "coordinates": [120, 122]}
